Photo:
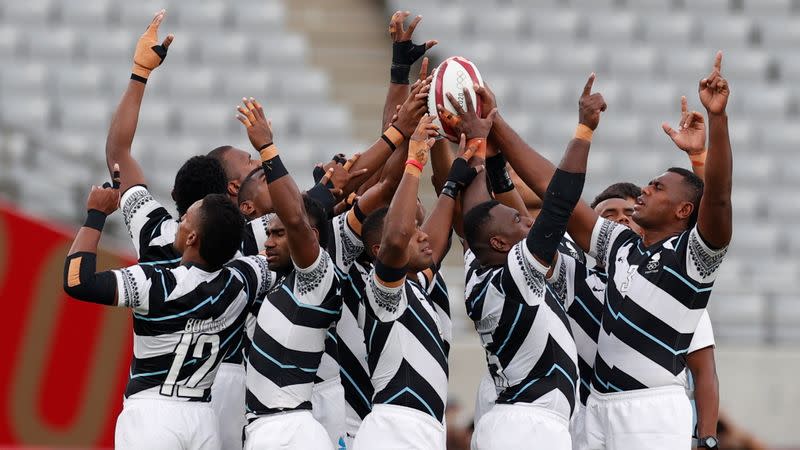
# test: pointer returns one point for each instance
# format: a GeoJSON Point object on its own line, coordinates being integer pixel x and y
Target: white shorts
{"type": "Point", "coordinates": [352, 423]}
{"type": "Point", "coordinates": [166, 424]}
{"type": "Point", "coordinates": [327, 406]}
{"type": "Point", "coordinates": [654, 418]}
{"type": "Point", "coordinates": [485, 397]}
{"type": "Point", "coordinates": [397, 427]}
{"type": "Point", "coordinates": [284, 431]}
{"type": "Point", "coordinates": [577, 426]}
{"type": "Point", "coordinates": [227, 400]}
{"type": "Point", "coordinates": [522, 426]}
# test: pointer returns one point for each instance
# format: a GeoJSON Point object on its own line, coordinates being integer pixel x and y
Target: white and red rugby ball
{"type": "Point", "coordinates": [453, 75]}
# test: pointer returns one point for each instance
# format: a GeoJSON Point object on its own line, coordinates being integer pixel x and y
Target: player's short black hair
{"type": "Point", "coordinates": [475, 221]}
{"type": "Point", "coordinates": [198, 177]}
{"type": "Point", "coordinates": [221, 229]}
{"type": "Point", "coordinates": [617, 190]}
{"type": "Point", "coordinates": [372, 229]}
{"type": "Point", "coordinates": [219, 154]}
{"type": "Point", "coordinates": [695, 185]}
{"type": "Point", "coordinates": [317, 218]}
{"type": "Point", "coordinates": [247, 190]}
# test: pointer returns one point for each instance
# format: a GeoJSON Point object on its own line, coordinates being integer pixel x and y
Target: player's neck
{"type": "Point", "coordinates": [655, 235]}
{"type": "Point", "coordinates": [191, 257]}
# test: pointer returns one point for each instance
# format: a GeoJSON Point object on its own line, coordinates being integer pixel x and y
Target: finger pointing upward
{"type": "Point", "coordinates": [587, 90]}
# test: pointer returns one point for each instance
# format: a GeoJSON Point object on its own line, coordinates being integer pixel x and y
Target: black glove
{"type": "Point", "coordinates": [459, 177]}
{"type": "Point", "coordinates": [404, 54]}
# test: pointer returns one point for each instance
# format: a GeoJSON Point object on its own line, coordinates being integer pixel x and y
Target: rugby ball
{"type": "Point", "coordinates": [453, 75]}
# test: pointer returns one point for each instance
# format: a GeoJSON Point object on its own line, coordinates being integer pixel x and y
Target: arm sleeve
{"type": "Point", "coordinates": [346, 243]}
{"type": "Point", "coordinates": [703, 335]}
{"type": "Point", "coordinates": [604, 235]}
{"type": "Point", "coordinates": [313, 282]}
{"type": "Point", "coordinates": [149, 225]}
{"type": "Point", "coordinates": [133, 287]}
{"type": "Point", "coordinates": [255, 274]}
{"type": "Point", "coordinates": [702, 261]}
{"type": "Point", "coordinates": [385, 303]}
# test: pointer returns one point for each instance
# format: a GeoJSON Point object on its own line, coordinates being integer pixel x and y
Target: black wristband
{"type": "Point", "coordinates": [95, 219]}
{"type": "Point", "coordinates": [274, 169]}
{"type": "Point", "coordinates": [389, 274]}
{"type": "Point", "coordinates": [398, 74]}
{"type": "Point", "coordinates": [359, 213]}
{"type": "Point", "coordinates": [389, 141]}
{"type": "Point", "coordinates": [264, 146]}
{"type": "Point", "coordinates": [499, 179]}
{"type": "Point", "coordinates": [450, 189]}
{"type": "Point", "coordinates": [135, 77]}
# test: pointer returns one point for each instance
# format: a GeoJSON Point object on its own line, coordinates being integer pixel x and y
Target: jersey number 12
{"type": "Point", "coordinates": [188, 387]}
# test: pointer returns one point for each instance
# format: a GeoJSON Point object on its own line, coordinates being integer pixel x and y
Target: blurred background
{"type": "Point", "coordinates": [320, 67]}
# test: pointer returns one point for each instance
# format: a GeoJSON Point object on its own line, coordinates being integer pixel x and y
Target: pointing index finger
{"type": "Point", "coordinates": [587, 90]}
{"type": "Point", "coordinates": [684, 106]}
{"type": "Point", "coordinates": [153, 27]}
{"type": "Point", "coordinates": [718, 61]}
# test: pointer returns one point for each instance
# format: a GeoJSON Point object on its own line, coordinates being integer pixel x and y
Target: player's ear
{"type": "Point", "coordinates": [233, 187]}
{"type": "Point", "coordinates": [685, 210]}
{"type": "Point", "coordinates": [192, 239]}
{"type": "Point", "coordinates": [498, 244]}
{"type": "Point", "coordinates": [247, 208]}
{"type": "Point", "coordinates": [375, 249]}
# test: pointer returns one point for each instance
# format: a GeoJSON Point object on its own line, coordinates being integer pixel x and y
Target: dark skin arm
{"type": "Point", "coordinates": [706, 390]}
{"type": "Point", "coordinates": [690, 137]}
{"type": "Point", "coordinates": [399, 225]}
{"type": "Point", "coordinates": [715, 218]}
{"type": "Point", "coordinates": [286, 196]}
{"type": "Point", "coordinates": [126, 116]}
{"type": "Point", "coordinates": [441, 160]}
{"type": "Point", "coordinates": [439, 224]}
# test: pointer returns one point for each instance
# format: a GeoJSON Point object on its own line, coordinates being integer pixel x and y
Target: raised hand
{"type": "Point", "coordinates": [714, 89]}
{"type": "Point", "coordinates": [422, 140]}
{"type": "Point", "coordinates": [486, 97]}
{"type": "Point", "coordinates": [105, 199]}
{"type": "Point", "coordinates": [467, 121]}
{"type": "Point", "coordinates": [461, 173]}
{"type": "Point", "coordinates": [415, 106]}
{"type": "Point", "coordinates": [590, 105]}
{"type": "Point", "coordinates": [691, 134]}
{"type": "Point", "coordinates": [405, 52]}
{"type": "Point", "coordinates": [259, 129]}
{"type": "Point", "coordinates": [149, 53]}
{"type": "Point", "coordinates": [339, 175]}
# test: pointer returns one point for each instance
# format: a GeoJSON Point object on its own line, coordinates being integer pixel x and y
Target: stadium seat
{"type": "Point", "coordinates": [200, 14]}
{"type": "Point", "coordinates": [779, 32]}
{"type": "Point", "coordinates": [669, 29]}
{"type": "Point", "coordinates": [25, 112]}
{"type": "Point", "coordinates": [204, 118]}
{"type": "Point", "coordinates": [76, 79]}
{"type": "Point", "coordinates": [9, 41]}
{"type": "Point", "coordinates": [29, 12]}
{"type": "Point", "coordinates": [268, 15]}
{"type": "Point", "coordinates": [84, 12]}
{"type": "Point", "coordinates": [84, 114]}
{"type": "Point", "coordinates": [554, 25]}
{"type": "Point", "coordinates": [225, 50]}
{"type": "Point", "coordinates": [612, 28]}
{"type": "Point", "coordinates": [787, 316]}
{"type": "Point", "coordinates": [637, 63]}
{"type": "Point", "coordinates": [774, 8]}
{"type": "Point", "coordinates": [282, 50]}
{"type": "Point", "coordinates": [727, 31]}
{"type": "Point", "coordinates": [23, 78]}
{"type": "Point", "coordinates": [738, 318]}
{"type": "Point", "coordinates": [52, 44]}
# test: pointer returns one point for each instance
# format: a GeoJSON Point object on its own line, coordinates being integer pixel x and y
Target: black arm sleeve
{"type": "Point", "coordinates": [323, 195]}
{"type": "Point", "coordinates": [562, 195]}
{"type": "Point", "coordinates": [82, 283]}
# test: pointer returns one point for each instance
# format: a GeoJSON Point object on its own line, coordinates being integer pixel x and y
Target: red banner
{"type": "Point", "coordinates": [65, 363]}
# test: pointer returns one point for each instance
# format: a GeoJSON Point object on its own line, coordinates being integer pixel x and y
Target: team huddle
{"type": "Point", "coordinates": [268, 317]}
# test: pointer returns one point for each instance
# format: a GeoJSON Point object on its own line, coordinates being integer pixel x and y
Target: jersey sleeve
{"type": "Point", "coordinates": [703, 335]}
{"type": "Point", "coordinates": [150, 226]}
{"type": "Point", "coordinates": [313, 282]}
{"type": "Point", "coordinates": [385, 303]}
{"type": "Point", "coordinates": [702, 262]}
{"type": "Point", "coordinates": [255, 274]}
{"type": "Point", "coordinates": [133, 287]}
{"type": "Point", "coordinates": [604, 235]}
{"type": "Point", "coordinates": [562, 281]}
{"type": "Point", "coordinates": [345, 243]}
{"type": "Point", "coordinates": [527, 273]}
{"type": "Point", "coordinates": [255, 235]}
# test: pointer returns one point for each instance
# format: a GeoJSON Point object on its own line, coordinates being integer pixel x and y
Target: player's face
{"type": "Point", "coordinates": [509, 224]}
{"type": "Point", "coordinates": [660, 201]}
{"type": "Point", "coordinates": [277, 247]}
{"type": "Point", "coordinates": [240, 163]}
{"type": "Point", "coordinates": [618, 210]}
{"type": "Point", "coordinates": [420, 252]}
{"type": "Point", "coordinates": [262, 204]}
{"type": "Point", "coordinates": [188, 228]}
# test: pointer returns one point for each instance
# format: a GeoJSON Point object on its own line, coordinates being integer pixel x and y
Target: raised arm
{"type": "Point", "coordinates": [286, 197]}
{"type": "Point", "coordinates": [149, 54]}
{"type": "Point", "coordinates": [81, 280]}
{"type": "Point", "coordinates": [399, 225]}
{"type": "Point", "coordinates": [565, 188]}
{"type": "Point", "coordinates": [404, 54]}
{"type": "Point", "coordinates": [440, 223]}
{"type": "Point", "coordinates": [715, 218]}
{"type": "Point", "coordinates": [690, 137]}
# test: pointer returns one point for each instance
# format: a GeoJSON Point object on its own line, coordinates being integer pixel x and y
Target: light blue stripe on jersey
{"type": "Point", "coordinates": [417, 396]}
{"type": "Point", "coordinates": [211, 300]}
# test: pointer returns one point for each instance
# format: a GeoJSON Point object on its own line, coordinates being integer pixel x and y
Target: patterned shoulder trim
{"type": "Point", "coordinates": [604, 240]}
{"type": "Point", "coordinates": [351, 248]}
{"type": "Point", "coordinates": [307, 281]}
{"type": "Point", "coordinates": [133, 203]}
{"type": "Point", "coordinates": [705, 261]}
{"type": "Point", "coordinates": [130, 289]}
{"type": "Point", "coordinates": [533, 279]}
{"type": "Point", "coordinates": [386, 298]}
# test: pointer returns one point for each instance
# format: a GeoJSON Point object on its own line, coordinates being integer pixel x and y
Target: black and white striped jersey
{"type": "Point", "coordinates": [184, 320]}
{"type": "Point", "coordinates": [407, 334]}
{"type": "Point", "coordinates": [292, 329]}
{"type": "Point", "coordinates": [655, 299]}
{"type": "Point", "coordinates": [524, 330]}
{"type": "Point", "coordinates": [153, 230]}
